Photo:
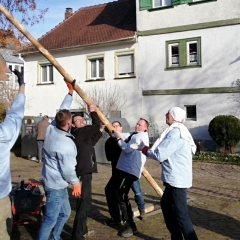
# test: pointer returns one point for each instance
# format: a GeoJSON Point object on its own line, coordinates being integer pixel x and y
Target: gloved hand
{"type": "Point", "coordinates": [136, 146]}
{"type": "Point", "coordinates": [70, 86]}
{"type": "Point", "coordinates": [20, 76]}
{"type": "Point", "coordinates": [76, 190]}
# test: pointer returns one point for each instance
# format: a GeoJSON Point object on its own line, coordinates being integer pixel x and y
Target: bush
{"type": "Point", "coordinates": [217, 157]}
{"type": "Point", "coordinates": [225, 131]}
{"type": "Point", "coordinates": [2, 112]}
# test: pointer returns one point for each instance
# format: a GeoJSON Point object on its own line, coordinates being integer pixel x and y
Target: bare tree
{"type": "Point", "coordinates": [8, 91]}
{"type": "Point", "coordinates": [107, 97]}
{"type": "Point", "coordinates": [29, 13]}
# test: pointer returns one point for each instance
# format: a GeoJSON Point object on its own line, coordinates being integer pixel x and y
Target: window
{"type": "Point", "coordinates": [150, 4]}
{"type": "Point", "coordinates": [174, 54]}
{"type": "Point", "coordinates": [10, 67]}
{"type": "Point", "coordinates": [124, 64]}
{"type": "Point", "coordinates": [161, 3]}
{"type": "Point", "coordinates": [95, 67]}
{"type": "Point", "coordinates": [22, 70]}
{"type": "Point", "coordinates": [192, 50]}
{"type": "Point", "coordinates": [46, 73]}
{"type": "Point", "coordinates": [191, 112]}
{"type": "Point", "coordinates": [183, 53]}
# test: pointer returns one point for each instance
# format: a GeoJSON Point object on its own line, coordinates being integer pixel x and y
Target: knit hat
{"type": "Point", "coordinates": [178, 114]}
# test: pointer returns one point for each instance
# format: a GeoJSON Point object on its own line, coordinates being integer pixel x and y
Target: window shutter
{"type": "Point", "coordinates": [145, 4]}
{"type": "Point", "coordinates": [185, 1]}
{"type": "Point", "coordinates": [125, 64]}
{"type": "Point", "coordinates": [176, 2]}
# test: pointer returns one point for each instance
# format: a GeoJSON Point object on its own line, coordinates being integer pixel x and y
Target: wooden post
{"type": "Point", "coordinates": [68, 78]}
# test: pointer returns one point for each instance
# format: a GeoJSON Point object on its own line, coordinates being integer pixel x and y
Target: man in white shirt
{"type": "Point", "coordinates": [9, 130]}
{"type": "Point", "coordinates": [174, 150]}
{"type": "Point", "coordinates": [129, 168]}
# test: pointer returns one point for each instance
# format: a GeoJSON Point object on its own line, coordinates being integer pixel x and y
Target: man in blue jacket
{"type": "Point", "coordinates": [58, 171]}
{"type": "Point", "coordinates": [9, 130]}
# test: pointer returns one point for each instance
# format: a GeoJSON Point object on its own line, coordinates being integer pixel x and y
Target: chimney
{"type": "Point", "coordinates": [68, 13]}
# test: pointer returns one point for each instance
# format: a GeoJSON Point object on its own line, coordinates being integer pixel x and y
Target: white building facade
{"type": "Point", "coordinates": [188, 57]}
{"type": "Point", "coordinates": [183, 53]}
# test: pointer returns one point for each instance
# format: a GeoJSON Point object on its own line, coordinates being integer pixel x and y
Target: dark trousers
{"type": "Point", "coordinates": [117, 195]}
{"type": "Point", "coordinates": [83, 207]}
{"type": "Point", "coordinates": [112, 200]}
{"type": "Point", "coordinates": [175, 212]}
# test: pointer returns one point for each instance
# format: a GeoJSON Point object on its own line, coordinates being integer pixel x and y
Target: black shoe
{"type": "Point", "coordinates": [111, 222]}
{"type": "Point", "coordinates": [128, 232]}
{"type": "Point", "coordinates": [134, 230]}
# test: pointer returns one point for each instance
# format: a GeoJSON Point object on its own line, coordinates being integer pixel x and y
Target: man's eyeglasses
{"type": "Point", "coordinates": [79, 120]}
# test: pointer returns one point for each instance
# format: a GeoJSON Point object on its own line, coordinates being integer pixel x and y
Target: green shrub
{"type": "Point", "coordinates": [225, 131]}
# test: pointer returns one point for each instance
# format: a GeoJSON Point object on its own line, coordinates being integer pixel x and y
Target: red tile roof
{"type": "Point", "coordinates": [91, 25]}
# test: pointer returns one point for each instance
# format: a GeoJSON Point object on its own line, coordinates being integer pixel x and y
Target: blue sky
{"type": "Point", "coordinates": [55, 13]}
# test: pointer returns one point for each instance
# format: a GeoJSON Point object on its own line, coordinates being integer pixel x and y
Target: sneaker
{"type": "Point", "coordinates": [111, 222]}
{"type": "Point", "coordinates": [128, 232]}
{"type": "Point", "coordinates": [143, 215]}
{"type": "Point", "coordinates": [89, 233]}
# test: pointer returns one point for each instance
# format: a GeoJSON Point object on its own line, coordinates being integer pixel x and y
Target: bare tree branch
{"type": "Point", "coordinates": [107, 97]}
{"type": "Point", "coordinates": [8, 91]}
{"type": "Point", "coordinates": [30, 15]}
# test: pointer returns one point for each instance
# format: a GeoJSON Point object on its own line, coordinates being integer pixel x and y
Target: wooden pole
{"type": "Point", "coordinates": [69, 79]}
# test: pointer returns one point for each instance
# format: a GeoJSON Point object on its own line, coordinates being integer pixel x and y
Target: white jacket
{"type": "Point", "coordinates": [132, 161]}
{"type": "Point", "coordinates": [175, 154]}
{"type": "Point", "coordinates": [9, 130]}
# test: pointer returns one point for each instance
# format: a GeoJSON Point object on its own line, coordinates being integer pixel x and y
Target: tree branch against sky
{"type": "Point", "coordinates": [28, 15]}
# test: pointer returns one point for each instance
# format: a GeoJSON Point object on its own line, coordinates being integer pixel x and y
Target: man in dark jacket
{"type": "Point", "coordinates": [85, 139]}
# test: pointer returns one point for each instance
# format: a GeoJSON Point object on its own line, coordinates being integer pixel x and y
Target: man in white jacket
{"type": "Point", "coordinates": [58, 171]}
{"type": "Point", "coordinates": [128, 170]}
{"type": "Point", "coordinates": [174, 151]}
{"type": "Point", "coordinates": [9, 130]}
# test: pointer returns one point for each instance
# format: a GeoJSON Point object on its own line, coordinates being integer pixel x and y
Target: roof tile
{"type": "Point", "coordinates": [91, 25]}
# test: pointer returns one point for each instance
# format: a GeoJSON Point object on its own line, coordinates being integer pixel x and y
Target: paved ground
{"type": "Point", "coordinates": [214, 203]}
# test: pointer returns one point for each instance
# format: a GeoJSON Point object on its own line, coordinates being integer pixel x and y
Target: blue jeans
{"type": "Point", "coordinates": [138, 196]}
{"type": "Point", "coordinates": [57, 213]}
{"type": "Point", "coordinates": [175, 213]}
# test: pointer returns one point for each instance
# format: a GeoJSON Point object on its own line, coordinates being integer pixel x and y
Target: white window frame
{"type": "Point", "coordinates": [161, 3]}
{"type": "Point", "coordinates": [49, 69]}
{"type": "Point", "coordinates": [131, 71]}
{"type": "Point", "coordinates": [90, 58]}
{"type": "Point", "coordinates": [14, 66]}
{"type": "Point", "coordinates": [188, 53]}
{"type": "Point", "coordinates": [171, 64]}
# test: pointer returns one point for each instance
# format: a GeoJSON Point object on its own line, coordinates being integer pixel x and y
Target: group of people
{"type": "Point", "coordinates": [71, 160]}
